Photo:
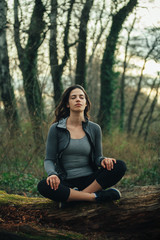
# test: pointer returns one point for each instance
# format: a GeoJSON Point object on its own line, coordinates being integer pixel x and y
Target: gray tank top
{"type": "Point", "coordinates": [75, 158]}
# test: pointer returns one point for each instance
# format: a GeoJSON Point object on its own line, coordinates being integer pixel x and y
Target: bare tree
{"type": "Point", "coordinates": [151, 115]}
{"type": "Point", "coordinates": [56, 67]}
{"type": "Point", "coordinates": [82, 38]}
{"type": "Point", "coordinates": [93, 63]}
{"type": "Point", "coordinates": [143, 107]}
{"type": "Point", "coordinates": [107, 73]}
{"type": "Point", "coordinates": [6, 88]}
{"type": "Point", "coordinates": [134, 102]}
{"type": "Point", "coordinates": [28, 64]}
{"type": "Point", "coordinates": [122, 80]}
{"type": "Point", "coordinates": [101, 28]}
{"type": "Point", "coordinates": [148, 117]}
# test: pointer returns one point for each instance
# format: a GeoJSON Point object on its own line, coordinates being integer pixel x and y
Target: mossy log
{"type": "Point", "coordinates": [135, 216]}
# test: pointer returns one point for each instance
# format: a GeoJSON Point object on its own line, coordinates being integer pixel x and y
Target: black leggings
{"type": "Point", "coordinates": [104, 177]}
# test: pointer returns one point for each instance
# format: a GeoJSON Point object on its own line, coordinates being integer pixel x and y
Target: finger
{"type": "Point", "coordinates": [114, 160]}
{"type": "Point", "coordinates": [106, 164]}
{"type": "Point", "coordinates": [103, 164]}
{"type": "Point", "coordinates": [56, 186]}
{"type": "Point", "coordinates": [57, 182]}
{"type": "Point", "coordinates": [106, 161]}
{"type": "Point", "coordinates": [112, 165]}
{"type": "Point", "coordinates": [47, 181]}
{"type": "Point", "coordinates": [109, 164]}
{"type": "Point", "coordinates": [51, 183]}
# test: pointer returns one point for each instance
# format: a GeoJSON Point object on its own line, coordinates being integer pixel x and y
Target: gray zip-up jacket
{"type": "Point", "coordinates": [58, 140]}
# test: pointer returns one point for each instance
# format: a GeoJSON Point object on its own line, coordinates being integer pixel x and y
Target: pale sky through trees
{"type": "Point", "coordinates": [148, 14]}
{"type": "Point", "coordinates": [148, 11]}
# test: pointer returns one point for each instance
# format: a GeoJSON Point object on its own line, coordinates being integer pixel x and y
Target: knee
{"type": "Point", "coordinates": [41, 186]}
{"type": "Point", "coordinates": [121, 166]}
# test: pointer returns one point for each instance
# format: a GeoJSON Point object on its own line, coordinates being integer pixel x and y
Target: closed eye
{"type": "Point", "coordinates": [74, 96]}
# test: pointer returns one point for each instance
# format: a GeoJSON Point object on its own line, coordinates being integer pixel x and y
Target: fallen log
{"type": "Point", "coordinates": [135, 216]}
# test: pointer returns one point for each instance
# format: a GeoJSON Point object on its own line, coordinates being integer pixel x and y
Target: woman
{"type": "Point", "coordinates": [74, 155]}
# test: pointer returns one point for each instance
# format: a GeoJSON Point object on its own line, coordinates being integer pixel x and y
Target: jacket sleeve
{"type": "Point", "coordinates": [98, 146]}
{"type": "Point", "coordinates": [51, 151]}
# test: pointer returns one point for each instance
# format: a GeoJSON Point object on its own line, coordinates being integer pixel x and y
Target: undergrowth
{"type": "Point", "coordinates": [24, 184]}
{"type": "Point", "coordinates": [22, 163]}
{"type": "Point", "coordinates": [141, 158]}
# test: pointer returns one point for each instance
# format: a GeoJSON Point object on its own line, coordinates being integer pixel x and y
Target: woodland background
{"type": "Point", "coordinates": [105, 46]}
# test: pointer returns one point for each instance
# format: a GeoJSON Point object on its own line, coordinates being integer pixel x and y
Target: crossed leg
{"type": "Point", "coordinates": [86, 194]}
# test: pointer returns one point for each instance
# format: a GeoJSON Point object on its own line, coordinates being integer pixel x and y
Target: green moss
{"type": "Point", "coordinates": [19, 200]}
{"type": "Point", "coordinates": [34, 232]}
{"type": "Point", "coordinates": [57, 236]}
{"type": "Point", "coordinates": [54, 234]}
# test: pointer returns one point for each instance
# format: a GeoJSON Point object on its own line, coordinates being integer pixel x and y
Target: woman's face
{"type": "Point", "coordinates": [77, 100]}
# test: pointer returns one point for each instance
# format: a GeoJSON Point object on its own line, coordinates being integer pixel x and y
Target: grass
{"type": "Point", "coordinates": [22, 164]}
{"type": "Point", "coordinates": [141, 158]}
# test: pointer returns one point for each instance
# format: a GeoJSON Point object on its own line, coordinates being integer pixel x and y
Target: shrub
{"type": "Point", "coordinates": [25, 184]}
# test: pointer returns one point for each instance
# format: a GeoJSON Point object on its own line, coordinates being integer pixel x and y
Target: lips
{"type": "Point", "coordinates": [78, 105]}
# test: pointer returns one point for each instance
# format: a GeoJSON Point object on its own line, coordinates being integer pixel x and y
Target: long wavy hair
{"type": "Point", "coordinates": [62, 111]}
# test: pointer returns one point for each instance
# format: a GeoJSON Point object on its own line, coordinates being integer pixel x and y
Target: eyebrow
{"type": "Point", "coordinates": [77, 94]}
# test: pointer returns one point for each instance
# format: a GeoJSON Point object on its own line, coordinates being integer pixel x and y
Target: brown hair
{"type": "Point", "coordinates": [62, 111]}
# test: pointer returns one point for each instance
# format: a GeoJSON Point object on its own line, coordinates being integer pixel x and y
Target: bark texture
{"type": "Point", "coordinates": [135, 216]}
{"type": "Point", "coordinates": [108, 74]}
{"type": "Point", "coordinates": [28, 65]}
{"type": "Point", "coordinates": [56, 67]}
{"type": "Point", "coordinates": [81, 51]}
{"type": "Point", "coordinates": [6, 88]}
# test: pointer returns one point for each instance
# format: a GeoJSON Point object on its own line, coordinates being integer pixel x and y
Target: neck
{"type": "Point", "coordinates": [76, 119]}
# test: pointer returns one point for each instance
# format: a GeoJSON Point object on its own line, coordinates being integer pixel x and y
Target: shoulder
{"type": "Point", "coordinates": [94, 126]}
{"type": "Point", "coordinates": [53, 127]}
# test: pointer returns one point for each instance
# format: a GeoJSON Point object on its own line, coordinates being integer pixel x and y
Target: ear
{"type": "Point", "coordinates": [67, 105]}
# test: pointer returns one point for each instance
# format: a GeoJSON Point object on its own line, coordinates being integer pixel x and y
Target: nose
{"type": "Point", "coordinates": [78, 99]}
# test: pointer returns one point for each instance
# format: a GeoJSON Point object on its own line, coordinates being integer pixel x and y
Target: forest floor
{"type": "Point", "coordinates": [135, 216]}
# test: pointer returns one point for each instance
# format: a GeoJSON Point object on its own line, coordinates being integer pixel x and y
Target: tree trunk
{"type": "Point", "coordinates": [151, 113]}
{"type": "Point", "coordinates": [28, 65]}
{"type": "Point", "coordinates": [93, 64]}
{"type": "Point", "coordinates": [148, 116]}
{"type": "Point", "coordinates": [81, 51]}
{"type": "Point", "coordinates": [107, 74]}
{"type": "Point", "coordinates": [134, 102]}
{"type": "Point", "coordinates": [122, 82]}
{"type": "Point", "coordinates": [101, 30]}
{"type": "Point", "coordinates": [56, 68]}
{"type": "Point", "coordinates": [143, 108]}
{"type": "Point", "coordinates": [6, 88]}
{"type": "Point", "coordinates": [135, 216]}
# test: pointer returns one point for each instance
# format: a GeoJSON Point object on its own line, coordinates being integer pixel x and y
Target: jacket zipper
{"type": "Point", "coordinates": [60, 154]}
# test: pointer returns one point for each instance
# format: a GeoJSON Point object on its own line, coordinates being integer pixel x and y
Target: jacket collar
{"type": "Point", "coordinates": [63, 123]}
